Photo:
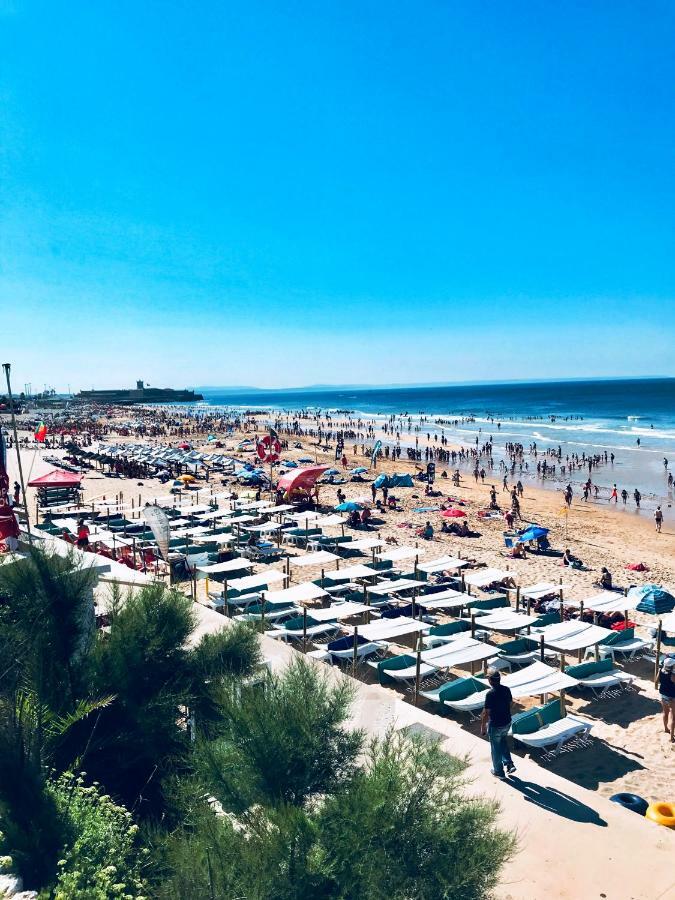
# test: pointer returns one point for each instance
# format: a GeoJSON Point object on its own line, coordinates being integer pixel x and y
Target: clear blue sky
{"type": "Point", "coordinates": [285, 193]}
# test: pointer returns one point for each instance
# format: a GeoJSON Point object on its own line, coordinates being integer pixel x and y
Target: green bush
{"type": "Point", "coordinates": [101, 859]}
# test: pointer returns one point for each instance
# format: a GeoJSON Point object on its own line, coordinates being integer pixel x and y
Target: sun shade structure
{"type": "Point", "coordinates": [538, 678]}
{"type": "Point", "coordinates": [393, 587]}
{"type": "Point", "coordinates": [461, 651]}
{"type": "Point", "coordinates": [391, 629]}
{"type": "Point", "coordinates": [606, 601]}
{"type": "Point", "coordinates": [399, 553]}
{"type": "Point", "coordinates": [543, 589]}
{"type": "Point", "coordinates": [443, 600]}
{"type": "Point", "coordinates": [365, 544]}
{"type": "Point", "coordinates": [569, 636]}
{"type": "Point", "coordinates": [442, 563]}
{"type": "Point", "coordinates": [231, 565]}
{"type": "Point", "coordinates": [530, 681]}
{"type": "Point", "coordinates": [321, 558]}
{"type": "Point", "coordinates": [299, 593]}
{"type": "Point", "coordinates": [339, 611]}
{"type": "Point", "coordinates": [354, 573]}
{"type": "Point", "coordinates": [668, 623]}
{"type": "Point", "coordinates": [301, 479]}
{"type": "Point", "coordinates": [506, 620]}
{"type": "Point", "coordinates": [485, 577]}
{"type": "Point", "coordinates": [265, 528]}
{"type": "Point", "coordinates": [270, 576]}
{"type": "Point", "coordinates": [56, 478]}
{"type": "Point", "coordinates": [329, 521]}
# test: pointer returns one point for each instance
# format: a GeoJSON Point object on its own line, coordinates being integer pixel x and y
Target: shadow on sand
{"type": "Point", "coordinates": [556, 802]}
{"type": "Point", "coordinates": [602, 764]}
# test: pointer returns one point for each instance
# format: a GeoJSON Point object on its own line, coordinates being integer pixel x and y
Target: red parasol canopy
{"type": "Point", "coordinates": [453, 514]}
{"type": "Point", "coordinates": [300, 479]}
{"type": "Point", "coordinates": [56, 478]}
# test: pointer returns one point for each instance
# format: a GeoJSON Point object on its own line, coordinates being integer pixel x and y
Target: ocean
{"type": "Point", "coordinates": [632, 418]}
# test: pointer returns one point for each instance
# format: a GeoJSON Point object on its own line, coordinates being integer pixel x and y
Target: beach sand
{"type": "Point", "coordinates": [630, 751]}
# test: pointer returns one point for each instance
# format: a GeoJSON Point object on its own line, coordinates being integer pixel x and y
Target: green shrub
{"type": "Point", "coordinates": [101, 859]}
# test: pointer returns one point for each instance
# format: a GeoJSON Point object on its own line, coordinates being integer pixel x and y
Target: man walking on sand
{"type": "Point", "coordinates": [658, 519]}
{"type": "Point", "coordinates": [495, 721]}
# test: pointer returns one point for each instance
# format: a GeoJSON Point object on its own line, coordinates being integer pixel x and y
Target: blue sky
{"type": "Point", "coordinates": [288, 193]}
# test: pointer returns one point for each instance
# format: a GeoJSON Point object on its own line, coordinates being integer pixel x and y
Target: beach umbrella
{"type": "Point", "coordinates": [184, 446]}
{"type": "Point", "coordinates": [453, 514]}
{"type": "Point", "coordinates": [305, 459]}
{"type": "Point", "coordinates": [359, 470]}
{"type": "Point", "coordinates": [348, 506]}
{"type": "Point", "coordinates": [290, 464]}
{"type": "Point", "coordinates": [532, 533]}
{"type": "Point", "coordinates": [653, 599]}
{"type": "Point", "coordinates": [332, 472]}
{"type": "Point", "coordinates": [188, 479]}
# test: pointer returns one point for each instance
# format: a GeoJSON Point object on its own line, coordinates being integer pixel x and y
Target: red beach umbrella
{"type": "Point", "coordinates": [453, 514]}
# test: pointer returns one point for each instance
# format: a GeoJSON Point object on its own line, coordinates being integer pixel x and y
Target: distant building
{"type": "Point", "coordinates": [141, 394]}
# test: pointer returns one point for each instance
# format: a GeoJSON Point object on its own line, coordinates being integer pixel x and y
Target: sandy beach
{"type": "Point", "coordinates": [631, 752]}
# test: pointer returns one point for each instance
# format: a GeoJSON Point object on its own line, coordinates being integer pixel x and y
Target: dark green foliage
{"type": "Point", "coordinates": [404, 828]}
{"type": "Point", "coordinates": [159, 681]}
{"type": "Point", "coordinates": [286, 744]}
{"type": "Point", "coordinates": [242, 790]}
{"type": "Point", "coordinates": [46, 626]}
{"type": "Point", "coordinates": [100, 857]}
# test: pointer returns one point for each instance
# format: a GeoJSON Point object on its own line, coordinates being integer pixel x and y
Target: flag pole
{"type": "Point", "coordinates": [7, 367]}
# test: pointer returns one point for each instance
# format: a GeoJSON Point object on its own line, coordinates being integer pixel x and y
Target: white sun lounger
{"type": "Point", "coordinates": [408, 673]}
{"type": "Point", "coordinates": [555, 735]}
{"type": "Point", "coordinates": [603, 682]}
{"type": "Point", "coordinates": [362, 650]}
{"type": "Point", "coordinates": [632, 648]}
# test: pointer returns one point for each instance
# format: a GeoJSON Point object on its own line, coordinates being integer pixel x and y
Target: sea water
{"type": "Point", "coordinates": [632, 418]}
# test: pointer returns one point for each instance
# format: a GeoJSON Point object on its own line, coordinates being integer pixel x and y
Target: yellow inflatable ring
{"type": "Point", "coordinates": [662, 814]}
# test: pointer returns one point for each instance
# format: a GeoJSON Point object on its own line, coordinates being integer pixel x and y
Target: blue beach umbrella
{"type": "Point", "coordinates": [332, 472]}
{"type": "Point", "coordinates": [290, 464]}
{"type": "Point", "coordinates": [305, 459]}
{"type": "Point", "coordinates": [653, 599]}
{"type": "Point", "coordinates": [359, 470]}
{"type": "Point", "coordinates": [348, 506]}
{"type": "Point", "coordinates": [532, 533]}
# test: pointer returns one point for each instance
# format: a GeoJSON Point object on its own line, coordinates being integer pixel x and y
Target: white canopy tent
{"type": "Point", "coordinates": [606, 602]}
{"type": "Point", "coordinates": [391, 629]}
{"type": "Point", "coordinates": [570, 636]}
{"type": "Point", "coordinates": [265, 528]}
{"type": "Point", "coordinates": [443, 600]}
{"type": "Point", "coordinates": [485, 577]}
{"type": "Point", "coordinates": [230, 565]}
{"type": "Point", "coordinates": [321, 558]}
{"type": "Point", "coordinates": [339, 611]}
{"type": "Point", "coordinates": [269, 576]}
{"type": "Point", "coordinates": [542, 589]}
{"type": "Point", "coordinates": [442, 564]}
{"type": "Point", "coordinates": [299, 593]}
{"type": "Point", "coordinates": [393, 587]}
{"type": "Point", "coordinates": [365, 544]}
{"type": "Point", "coordinates": [505, 620]}
{"type": "Point", "coordinates": [459, 652]}
{"type": "Point", "coordinates": [354, 573]}
{"type": "Point", "coordinates": [400, 553]}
